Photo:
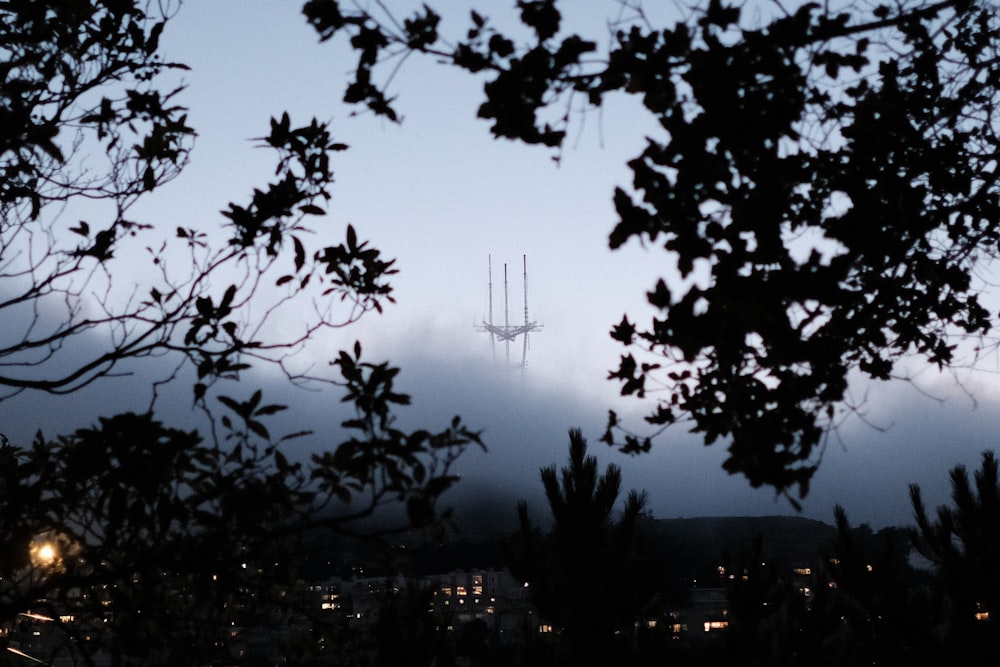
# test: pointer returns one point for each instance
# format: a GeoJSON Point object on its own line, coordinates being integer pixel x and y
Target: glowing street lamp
{"type": "Point", "coordinates": [48, 550]}
{"type": "Point", "coordinates": [44, 552]}
{"type": "Point", "coordinates": [45, 555]}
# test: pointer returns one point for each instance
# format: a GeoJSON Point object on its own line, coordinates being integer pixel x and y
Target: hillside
{"type": "Point", "coordinates": [694, 548]}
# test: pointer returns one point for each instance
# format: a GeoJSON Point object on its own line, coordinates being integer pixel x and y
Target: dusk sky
{"type": "Point", "coordinates": [441, 195]}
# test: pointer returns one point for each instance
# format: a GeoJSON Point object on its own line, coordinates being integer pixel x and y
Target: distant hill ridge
{"type": "Point", "coordinates": [782, 532]}
{"type": "Point", "coordinates": [694, 547]}
{"type": "Point", "coordinates": [690, 546]}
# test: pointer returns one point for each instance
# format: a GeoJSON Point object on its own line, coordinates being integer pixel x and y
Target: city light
{"type": "Point", "coordinates": [44, 552]}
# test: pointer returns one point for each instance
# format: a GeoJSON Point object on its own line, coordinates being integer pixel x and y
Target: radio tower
{"type": "Point", "coordinates": [508, 332]}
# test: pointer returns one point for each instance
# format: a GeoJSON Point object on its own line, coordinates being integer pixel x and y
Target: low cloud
{"type": "Point", "coordinates": [866, 466]}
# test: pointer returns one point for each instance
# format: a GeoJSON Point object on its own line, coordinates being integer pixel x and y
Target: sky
{"type": "Point", "coordinates": [439, 194]}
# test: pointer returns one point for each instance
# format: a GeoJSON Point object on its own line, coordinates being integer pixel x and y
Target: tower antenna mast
{"type": "Point", "coordinates": [507, 332]}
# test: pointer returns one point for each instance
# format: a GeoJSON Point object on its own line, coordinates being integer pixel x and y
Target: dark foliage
{"type": "Point", "coordinates": [85, 119]}
{"type": "Point", "coordinates": [963, 543]}
{"type": "Point", "coordinates": [856, 602]}
{"type": "Point", "coordinates": [144, 541]}
{"type": "Point", "coordinates": [825, 177]}
{"type": "Point", "coordinates": [159, 540]}
{"type": "Point", "coordinates": [588, 574]}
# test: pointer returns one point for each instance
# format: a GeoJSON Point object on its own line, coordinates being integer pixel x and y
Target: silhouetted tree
{"type": "Point", "coordinates": [869, 606]}
{"type": "Point", "coordinates": [824, 173]}
{"type": "Point", "coordinates": [158, 537]}
{"type": "Point", "coordinates": [860, 604]}
{"type": "Point", "coordinates": [85, 119]}
{"type": "Point", "coordinates": [153, 533]}
{"type": "Point", "coordinates": [587, 575]}
{"type": "Point", "coordinates": [963, 543]}
{"type": "Point", "coordinates": [406, 634]}
{"type": "Point", "coordinates": [767, 615]}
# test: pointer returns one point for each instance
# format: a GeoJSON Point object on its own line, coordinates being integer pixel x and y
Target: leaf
{"type": "Point", "coordinates": [148, 178]}
{"type": "Point", "coordinates": [227, 300]}
{"type": "Point", "coordinates": [153, 41]}
{"type": "Point", "coordinates": [230, 403]}
{"type": "Point", "coordinates": [300, 253]}
{"type": "Point", "coordinates": [255, 399]}
{"type": "Point", "coordinates": [204, 307]}
{"type": "Point", "coordinates": [258, 428]}
{"type": "Point", "coordinates": [270, 410]}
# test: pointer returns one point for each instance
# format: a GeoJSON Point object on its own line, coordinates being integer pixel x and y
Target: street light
{"type": "Point", "coordinates": [48, 550]}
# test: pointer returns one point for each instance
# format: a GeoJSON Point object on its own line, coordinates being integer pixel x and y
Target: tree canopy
{"type": "Point", "coordinates": [962, 541]}
{"type": "Point", "coordinates": [152, 532]}
{"type": "Point", "coordinates": [824, 176]}
{"type": "Point", "coordinates": [89, 129]}
{"type": "Point", "coordinates": [588, 573]}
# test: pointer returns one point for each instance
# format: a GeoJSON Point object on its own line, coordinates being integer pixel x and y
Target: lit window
{"type": "Point", "coordinates": [446, 590]}
{"type": "Point", "coordinates": [460, 590]}
{"type": "Point", "coordinates": [545, 628]}
{"type": "Point", "coordinates": [803, 571]}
